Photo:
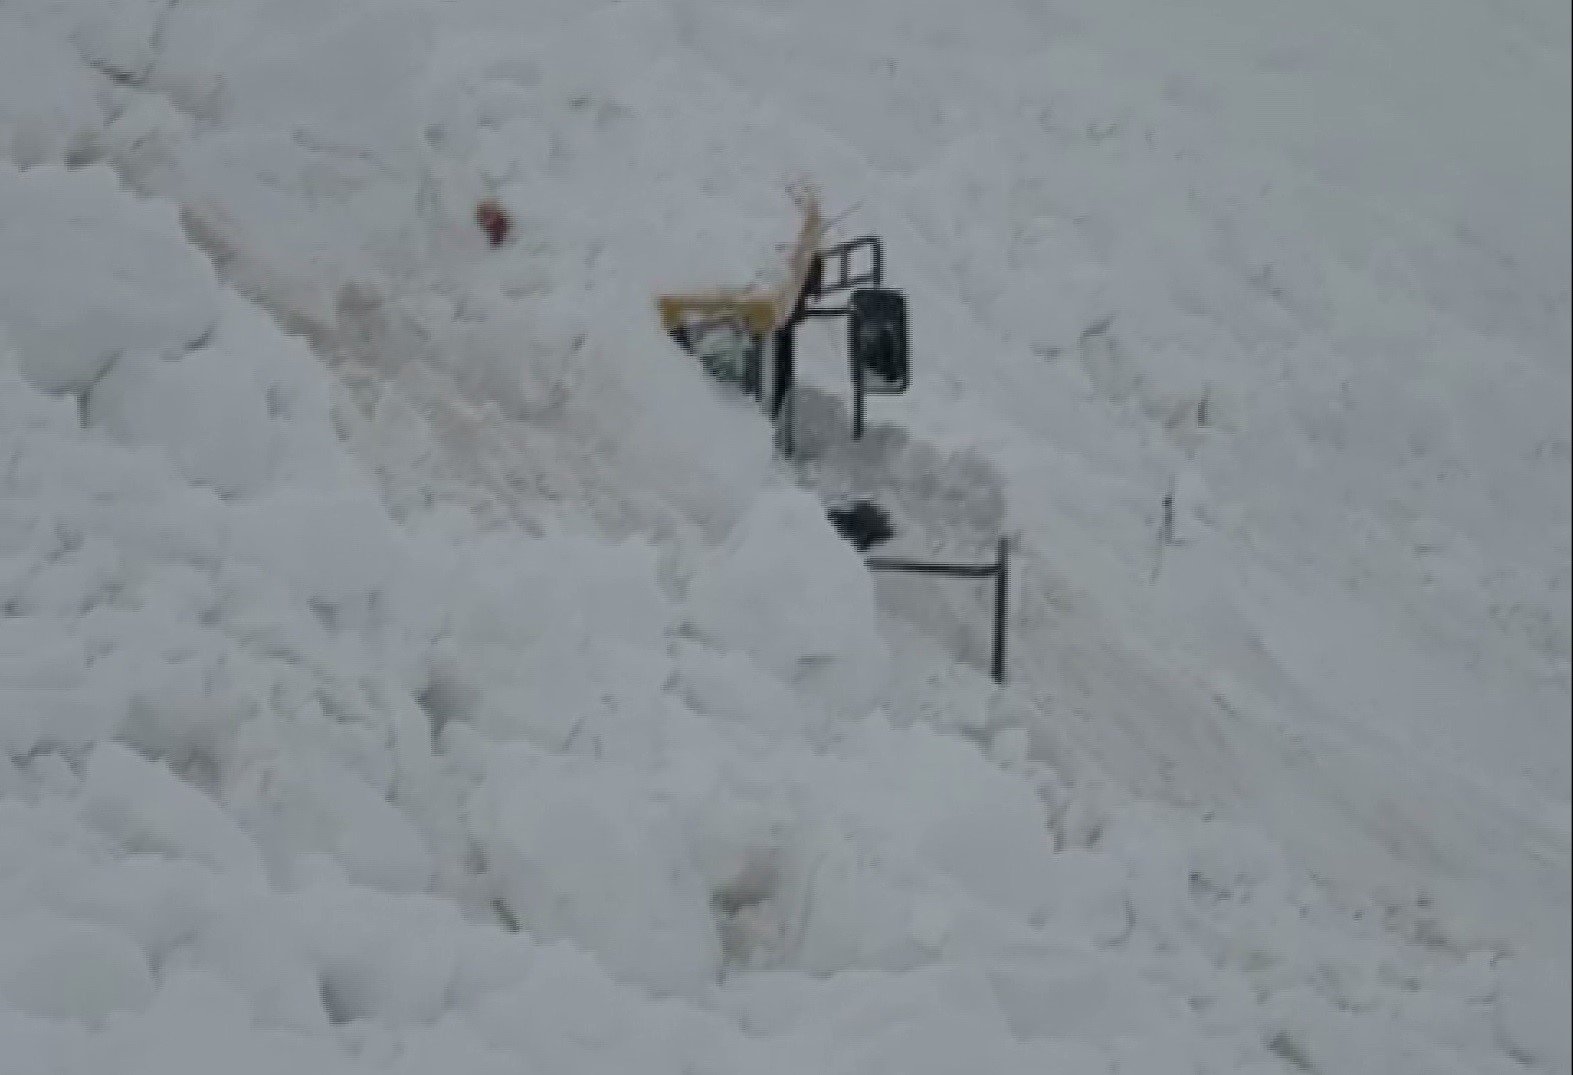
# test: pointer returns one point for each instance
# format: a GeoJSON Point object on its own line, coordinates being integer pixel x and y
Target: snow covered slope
{"type": "Point", "coordinates": [409, 663]}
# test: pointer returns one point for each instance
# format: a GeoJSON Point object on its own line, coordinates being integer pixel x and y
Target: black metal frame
{"type": "Point", "coordinates": [846, 279]}
{"type": "Point", "coordinates": [999, 571]}
{"type": "Point", "coordinates": [818, 285]}
{"type": "Point", "coordinates": [782, 391]}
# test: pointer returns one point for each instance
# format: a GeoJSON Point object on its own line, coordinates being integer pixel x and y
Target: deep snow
{"type": "Point", "coordinates": [409, 663]}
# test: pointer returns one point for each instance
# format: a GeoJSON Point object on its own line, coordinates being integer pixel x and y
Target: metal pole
{"type": "Point", "coordinates": [1001, 616]}
{"type": "Point", "coordinates": [929, 567]}
{"type": "Point", "coordinates": [999, 571]}
{"type": "Point", "coordinates": [789, 420]}
{"type": "Point", "coordinates": [781, 390]}
{"type": "Point", "coordinates": [857, 399]}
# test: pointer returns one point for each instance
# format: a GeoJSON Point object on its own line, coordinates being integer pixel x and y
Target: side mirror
{"type": "Point", "coordinates": [877, 340]}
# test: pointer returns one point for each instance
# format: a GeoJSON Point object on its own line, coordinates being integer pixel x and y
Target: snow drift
{"type": "Point", "coordinates": [408, 662]}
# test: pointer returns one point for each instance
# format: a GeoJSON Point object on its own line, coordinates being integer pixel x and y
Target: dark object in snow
{"type": "Point", "coordinates": [877, 345]}
{"type": "Point", "coordinates": [494, 221]}
{"type": "Point", "coordinates": [863, 523]}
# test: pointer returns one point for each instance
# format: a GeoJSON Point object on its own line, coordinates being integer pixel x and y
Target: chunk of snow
{"type": "Point", "coordinates": [373, 840]}
{"type": "Point", "coordinates": [579, 853]}
{"type": "Point", "coordinates": [788, 591]}
{"type": "Point", "coordinates": [255, 949]}
{"type": "Point", "coordinates": [206, 410]}
{"type": "Point", "coordinates": [48, 110]}
{"type": "Point", "coordinates": [332, 546]}
{"type": "Point", "coordinates": [148, 808]}
{"type": "Point", "coordinates": [379, 957]}
{"type": "Point", "coordinates": [65, 969]}
{"type": "Point", "coordinates": [93, 272]}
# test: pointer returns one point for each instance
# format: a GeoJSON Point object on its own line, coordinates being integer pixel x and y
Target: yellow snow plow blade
{"type": "Point", "coordinates": [758, 310]}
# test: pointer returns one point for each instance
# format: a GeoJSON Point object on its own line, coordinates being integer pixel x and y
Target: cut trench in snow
{"type": "Point", "coordinates": [943, 505]}
{"type": "Point", "coordinates": [1087, 698]}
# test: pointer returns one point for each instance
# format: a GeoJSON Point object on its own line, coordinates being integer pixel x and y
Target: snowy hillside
{"type": "Point", "coordinates": [409, 662]}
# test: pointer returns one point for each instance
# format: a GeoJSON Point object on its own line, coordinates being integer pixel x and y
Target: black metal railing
{"type": "Point", "coordinates": [999, 571]}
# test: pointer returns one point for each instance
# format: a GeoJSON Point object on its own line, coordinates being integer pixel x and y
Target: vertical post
{"type": "Point", "coordinates": [1001, 616]}
{"type": "Point", "coordinates": [789, 422]}
{"type": "Point", "coordinates": [857, 399]}
{"type": "Point", "coordinates": [781, 389]}
{"type": "Point", "coordinates": [754, 369]}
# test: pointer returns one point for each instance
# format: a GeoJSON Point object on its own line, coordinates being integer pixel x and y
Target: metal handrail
{"type": "Point", "coordinates": [999, 571]}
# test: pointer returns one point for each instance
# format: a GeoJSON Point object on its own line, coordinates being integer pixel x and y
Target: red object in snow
{"type": "Point", "coordinates": [494, 221]}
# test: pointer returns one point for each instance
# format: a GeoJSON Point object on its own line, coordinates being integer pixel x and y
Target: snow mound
{"type": "Point", "coordinates": [91, 275]}
{"type": "Point", "coordinates": [409, 661]}
{"type": "Point", "coordinates": [579, 854]}
{"type": "Point", "coordinates": [789, 592]}
{"type": "Point", "coordinates": [49, 111]}
{"type": "Point", "coordinates": [56, 968]}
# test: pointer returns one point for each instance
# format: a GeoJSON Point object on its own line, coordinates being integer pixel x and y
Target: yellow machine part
{"type": "Point", "coordinates": [759, 310]}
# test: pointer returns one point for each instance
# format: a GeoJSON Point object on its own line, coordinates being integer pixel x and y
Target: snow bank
{"type": "Point", "coordinates": [1532, 1009]}
{"type": "Point", "coordinates": [790, 592]}
{"type": "Point", "coordinates": [212, 418]}
{"type": "Point", "coordinates": [410, 662]}
{"type": "Point", "coordinates": [579, 853]}
{"type": "Point", "coordinates": [60, 969]}
{"type": "Point", "coordinates": [48, 109]}
{"type": "Point", "coordinates": [145, 807]}
{"type": "Point", "coordinates": [90, 276]}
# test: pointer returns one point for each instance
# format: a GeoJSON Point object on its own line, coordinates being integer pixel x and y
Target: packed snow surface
{"type": "Point", "coordinates": [409, 662]}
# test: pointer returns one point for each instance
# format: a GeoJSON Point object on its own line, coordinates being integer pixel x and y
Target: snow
{"type": "Point", "coordinates": [790, 593]}
{"type": "Point", "coordinates": [410, 662]}
{"type": "Point", "coordinates": [146, 808]}
{"type": "Point", "coordinates": [59, 969]}
{"type": "Point", "coordinates": [212, 419]}
{"type": "Point", "coordinates": [90, 278]}
{"type": "Point", "coordinates": [1532, 1005]}
{"type": "Point", "coordinates": [582, 853]}
{"type": "Point", "coordinates": [49, 110]}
